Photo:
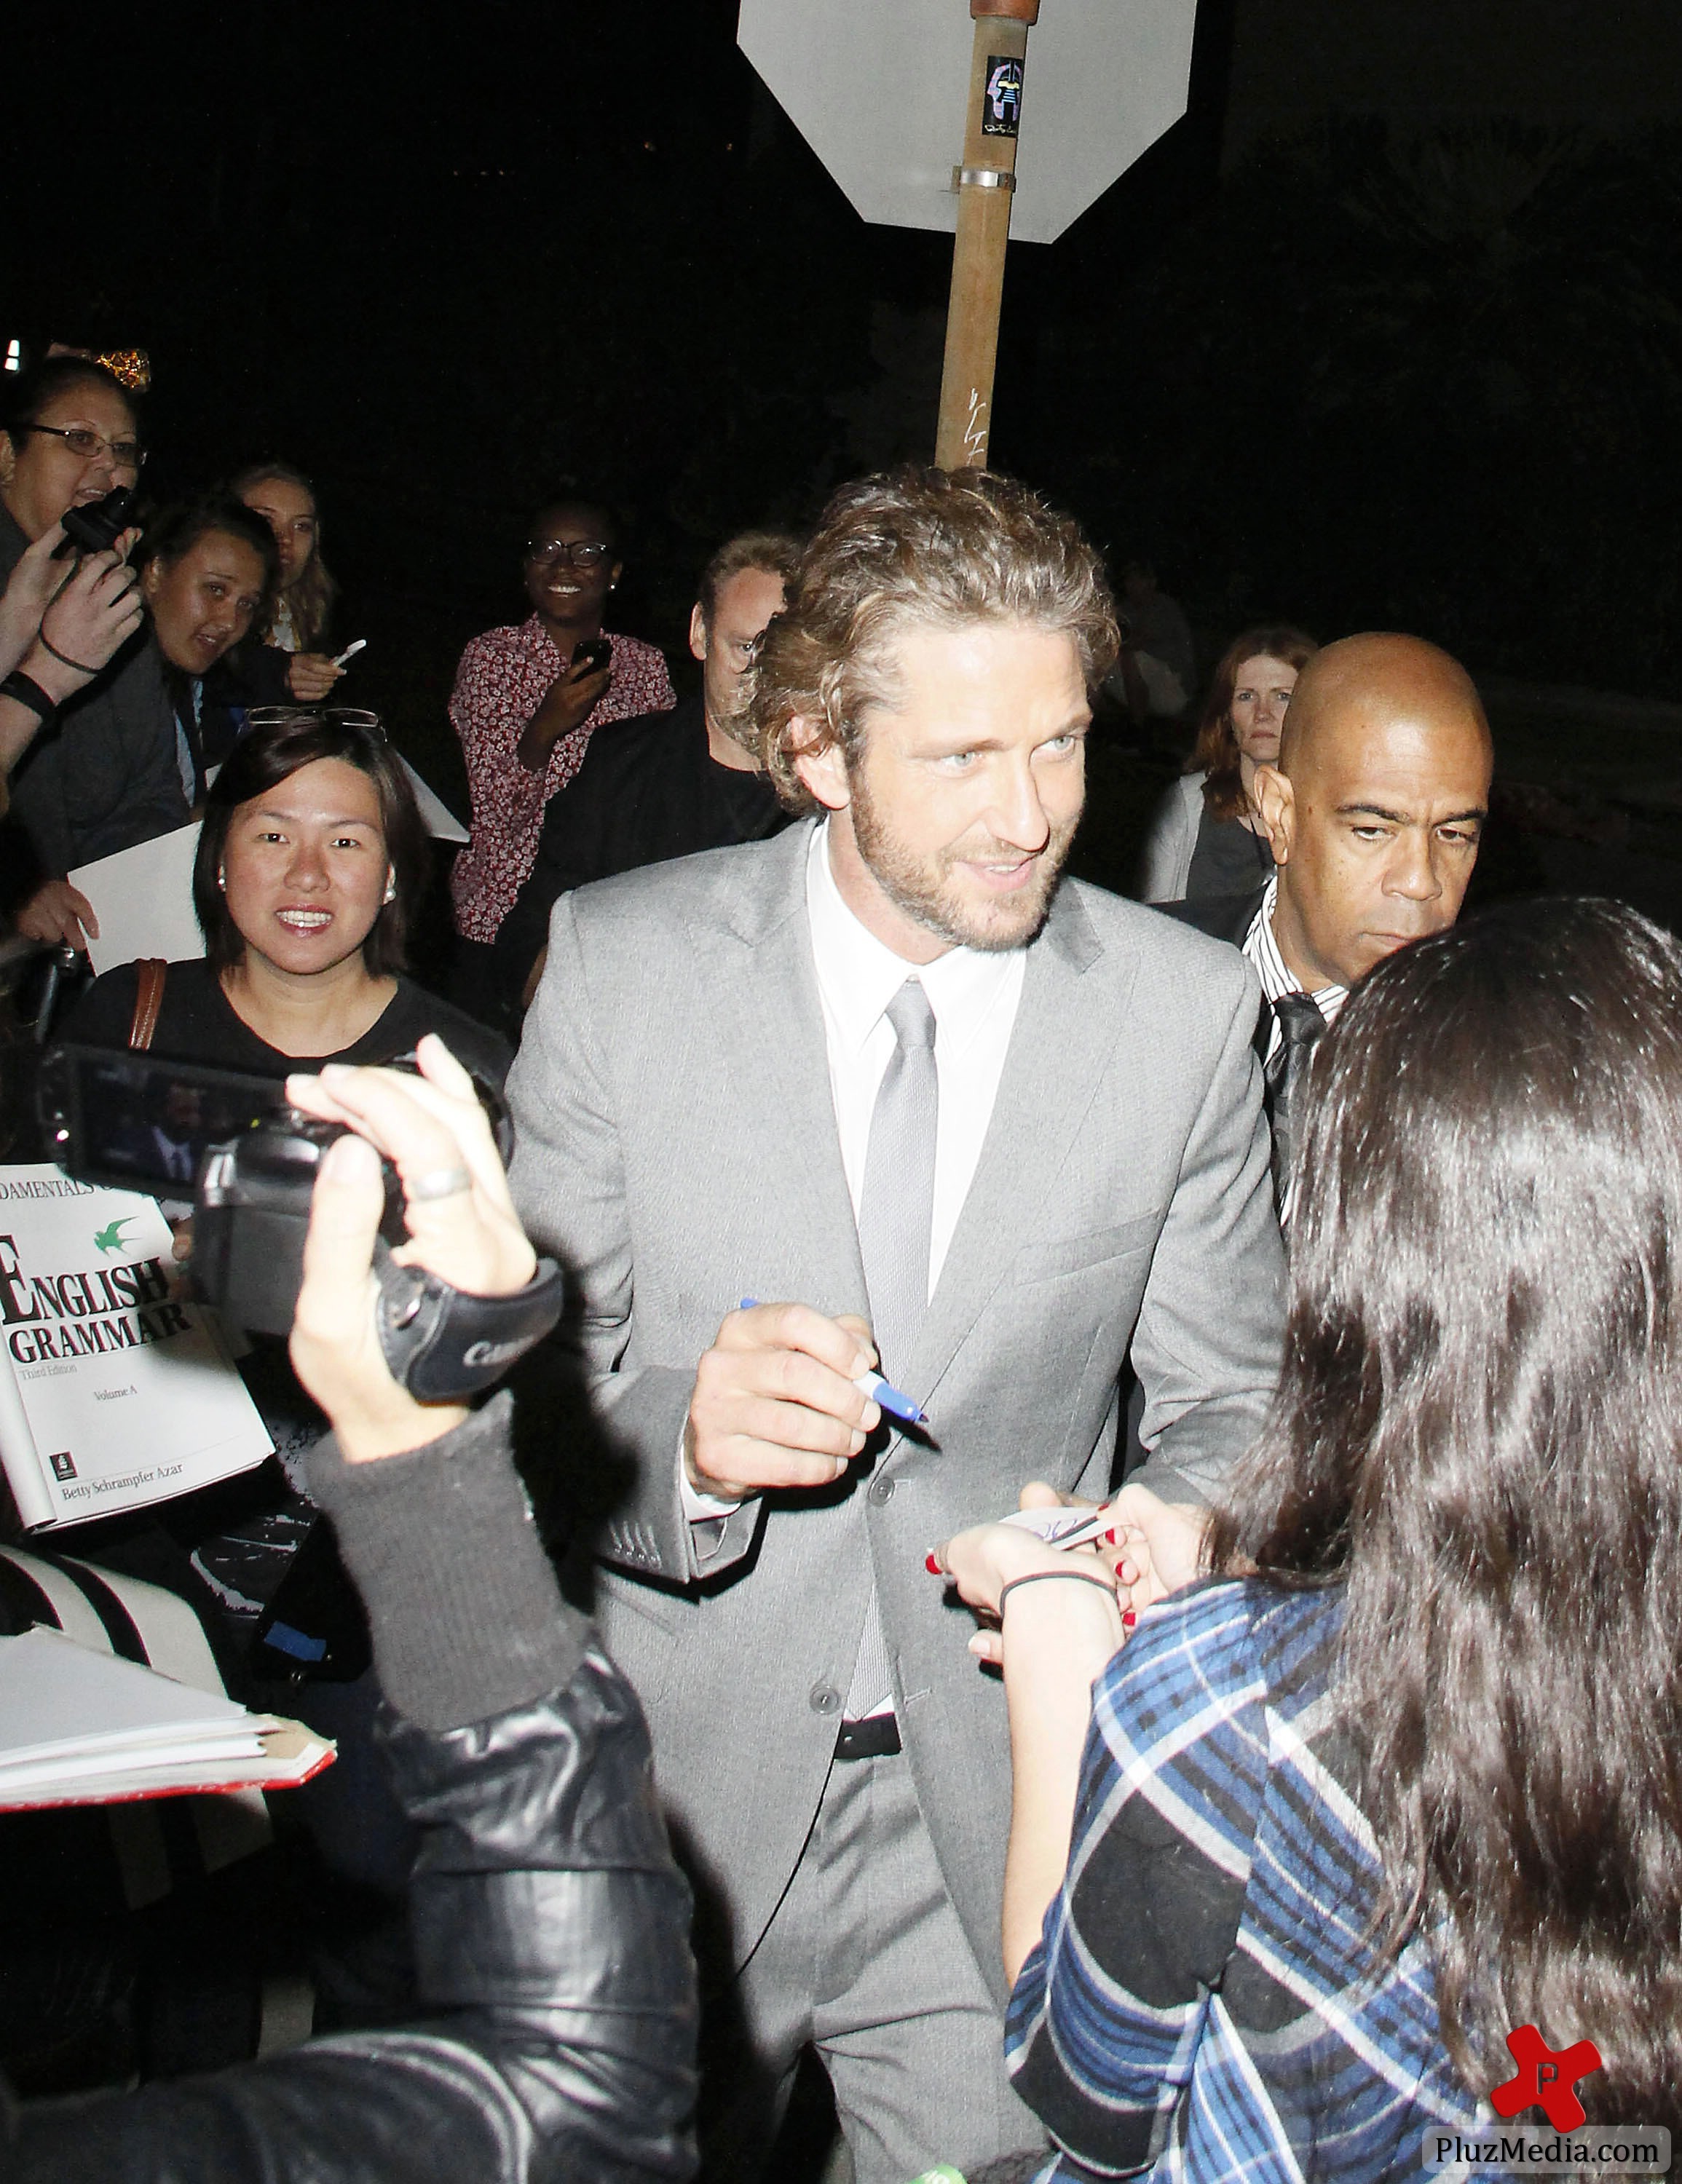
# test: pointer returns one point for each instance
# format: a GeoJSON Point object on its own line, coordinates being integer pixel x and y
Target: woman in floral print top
{"type": "Point", "coordinates": [525, 714]}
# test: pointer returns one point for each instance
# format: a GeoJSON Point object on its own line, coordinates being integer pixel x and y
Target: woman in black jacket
{"type": "Point", "coordinates": [550, 1922]}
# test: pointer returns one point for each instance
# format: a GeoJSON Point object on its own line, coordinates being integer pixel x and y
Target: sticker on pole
{"type": "Point", "coordinates": [1004, 97]}
{"type": "Point", "coordinates": [880, 90]}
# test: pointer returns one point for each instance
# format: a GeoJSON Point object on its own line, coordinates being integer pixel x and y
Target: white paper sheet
{"type": "Point", "coordinates": [441, 823]}
{"type": "Point", "coordinates": [143, 899]}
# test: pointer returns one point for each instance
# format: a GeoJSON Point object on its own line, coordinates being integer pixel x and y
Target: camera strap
{"type": "Point", "coordinates": [446, 1346]}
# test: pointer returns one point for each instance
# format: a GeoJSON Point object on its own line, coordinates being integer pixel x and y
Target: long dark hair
{"type": "Point", "coordinates": [1216, 755]}
{"type": "Point", "coordinates": [309, 596]}
{"type": "Point", "coordinates": [1478, 1431]}
{"type": "Point", "coordinates": [271, 753]}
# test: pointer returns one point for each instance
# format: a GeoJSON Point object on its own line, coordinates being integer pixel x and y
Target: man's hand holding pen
{"type": "Point", "coordinates": [775, 1403]}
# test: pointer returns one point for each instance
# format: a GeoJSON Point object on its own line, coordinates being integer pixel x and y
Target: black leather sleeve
{"type": "Point", "coordinates": [552, 1934]}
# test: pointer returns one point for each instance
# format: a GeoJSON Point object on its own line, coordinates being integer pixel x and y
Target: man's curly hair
{"type": "Point", "coordinates": [916, 545]}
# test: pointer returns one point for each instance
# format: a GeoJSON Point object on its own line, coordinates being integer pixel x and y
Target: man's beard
{"type": "Point", "coordinates": [925, 891]}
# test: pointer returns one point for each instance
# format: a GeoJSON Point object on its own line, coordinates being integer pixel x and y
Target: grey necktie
{"type": "Point", "coordinates": [896, 1207]}
{"type": "Point", "coordinates": [896, 1211]}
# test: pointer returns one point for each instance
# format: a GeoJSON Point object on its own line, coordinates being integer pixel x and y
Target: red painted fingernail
{"type": "Point", "coordinates": [933, 1567]}
{"type": "Point", "coordinates": [1111, 1538]}
{"type": "Point", "coordinates": [1128, 1619]}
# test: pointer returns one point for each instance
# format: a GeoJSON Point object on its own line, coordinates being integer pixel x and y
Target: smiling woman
{"type": "Point", "coordinates": [102, 774]}
{"type": "Point", "coordinates": [311, 860]}
{"type": "Point", "coordinates": [528, 698]}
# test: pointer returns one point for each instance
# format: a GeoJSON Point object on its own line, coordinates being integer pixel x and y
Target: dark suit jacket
{"type": "Point", "coordinates": [648, 791]}
{"type": "Point", "coordinates": [1221, 917]}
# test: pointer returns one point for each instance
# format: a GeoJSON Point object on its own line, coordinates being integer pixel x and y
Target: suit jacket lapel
{"type": "Point", "coordinates": [1062, 1040]}
{"type": "Point", "coordinates": [770, 1023]}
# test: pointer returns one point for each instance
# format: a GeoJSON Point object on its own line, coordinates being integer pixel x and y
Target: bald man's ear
{"type": "Point", "coordinates": [822, 769]}
{"type": "Point", "coordinates": [698, 633]}
{"type": "Point", "coordinates": [1276, 807]}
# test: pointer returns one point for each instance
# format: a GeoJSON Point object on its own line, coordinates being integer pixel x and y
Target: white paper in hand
{"type": "Point", "coordinates": [143, 899]}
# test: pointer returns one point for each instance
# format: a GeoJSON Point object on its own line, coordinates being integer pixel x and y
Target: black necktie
{"type": "Point", "coordinates": [1302, 1027]}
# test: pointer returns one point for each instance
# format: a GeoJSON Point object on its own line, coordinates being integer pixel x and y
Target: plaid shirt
{"type": "Point", "coordinates": [1203, 2005]}
{"type": "Point", "coordinates": [504, 675]}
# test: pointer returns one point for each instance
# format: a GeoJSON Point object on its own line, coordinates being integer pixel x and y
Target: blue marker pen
{"type": "Point", "coordinates": [881, 1392]}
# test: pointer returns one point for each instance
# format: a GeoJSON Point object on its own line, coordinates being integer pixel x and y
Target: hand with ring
{"type": "Point", "coordinates": [462, 1227]}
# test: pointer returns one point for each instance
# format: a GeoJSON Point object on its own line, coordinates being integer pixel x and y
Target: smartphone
{"type": "Point", "coordinates": [134, 1121]}
{"type": "Point", "coordinates": [591, 654]}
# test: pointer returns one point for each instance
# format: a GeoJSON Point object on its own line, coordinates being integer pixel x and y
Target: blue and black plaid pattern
{"type": "Point", "coordinates": [1204, 2003]}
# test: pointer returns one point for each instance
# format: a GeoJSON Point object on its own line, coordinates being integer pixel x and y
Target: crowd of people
{"type": "Point", "coordinates": [913, 1198]}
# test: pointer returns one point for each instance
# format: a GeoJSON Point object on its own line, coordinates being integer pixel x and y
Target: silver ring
{"type": "Point", "coordinates": [438, 1183]}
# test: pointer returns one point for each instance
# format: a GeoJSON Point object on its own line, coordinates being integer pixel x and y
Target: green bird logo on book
{"type": "Point", "coordinates": [110, 1239]}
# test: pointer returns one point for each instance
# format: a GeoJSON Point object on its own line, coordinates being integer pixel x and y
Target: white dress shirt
{"type": "Point", "coordinates": [1262, 953]}
{"type": "Point", "coordinates": [974, 994]}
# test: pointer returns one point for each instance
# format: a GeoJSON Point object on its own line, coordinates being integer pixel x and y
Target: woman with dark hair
{"type": "Point", "coordinates": [1205, 839]}
{"type": "Point", "coordinates": [309, 868]}
{"type": "Point", "coordinates": [312, 858]}
{"type": "Point", "coordinates": [1402, 1778]}
{"type": "Point", "coordinates": [297, 621]}
{"type": "Point", "coordinates": [311, 861]}
{"type": "Point", "coordinates": [208, 570]}
{"type": "Point", "coordinates": [527, 700]}
{"type": "Point", "coordinates": [100, 774]}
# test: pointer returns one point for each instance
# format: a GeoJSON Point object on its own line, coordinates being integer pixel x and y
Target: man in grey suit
{"type": "Point", "coordinates": [942, 1113]}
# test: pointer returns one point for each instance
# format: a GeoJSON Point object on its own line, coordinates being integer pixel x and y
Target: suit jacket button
{"type": "Point", "coordinates": [882, 1490]}
{"type": "Point", "coordinates": [824, 1699]}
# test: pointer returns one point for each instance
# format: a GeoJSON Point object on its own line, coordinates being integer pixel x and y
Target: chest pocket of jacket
{"type": "Point", "coordinates": [1080, 1255]}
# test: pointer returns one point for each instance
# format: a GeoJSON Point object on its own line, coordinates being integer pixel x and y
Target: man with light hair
{"type": "Point", "coordinates": [938, 1111]}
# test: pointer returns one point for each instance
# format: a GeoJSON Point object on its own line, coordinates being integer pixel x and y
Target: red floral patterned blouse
{"type": "Point", "coordinates": [503, 677]}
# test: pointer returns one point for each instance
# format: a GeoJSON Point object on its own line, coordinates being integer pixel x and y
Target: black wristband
{"type": "Point", "coordinates": [446, 1345]}
{"type": "Point", "coordinates": [19, 688]}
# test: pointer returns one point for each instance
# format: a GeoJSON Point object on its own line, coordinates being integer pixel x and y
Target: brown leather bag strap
{"type": "Point", "coordinates": [148, 998]}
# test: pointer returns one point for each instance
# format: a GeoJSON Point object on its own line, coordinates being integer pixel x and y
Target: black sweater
{"type": "Point", "coordinates": [195, 1023]}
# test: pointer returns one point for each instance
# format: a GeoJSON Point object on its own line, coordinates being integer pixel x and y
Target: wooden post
{"type": "Point", "coordinates": [984, 183]}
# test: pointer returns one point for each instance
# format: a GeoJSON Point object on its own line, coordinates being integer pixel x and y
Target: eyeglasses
{"type": "Point", "coordinates": [582, 553]}
{"type": "Point", "coordinates": [335, 716]}
{"type": "Point", "coordinates": [126, 455]}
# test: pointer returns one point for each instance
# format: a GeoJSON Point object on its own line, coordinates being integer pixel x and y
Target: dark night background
{"type": "Point", "coordinates": [1387, 331]}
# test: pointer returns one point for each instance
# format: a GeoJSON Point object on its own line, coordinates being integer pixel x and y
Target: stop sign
{"type": "Point", "coordinates": [877, 88]}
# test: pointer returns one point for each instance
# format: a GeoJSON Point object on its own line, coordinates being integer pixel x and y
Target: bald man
{"type": "Point", "coordinates": [1374, 811]}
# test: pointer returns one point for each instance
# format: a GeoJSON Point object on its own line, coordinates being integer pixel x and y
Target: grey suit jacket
{"type": "Point", "coordinates": [677, 1150]}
